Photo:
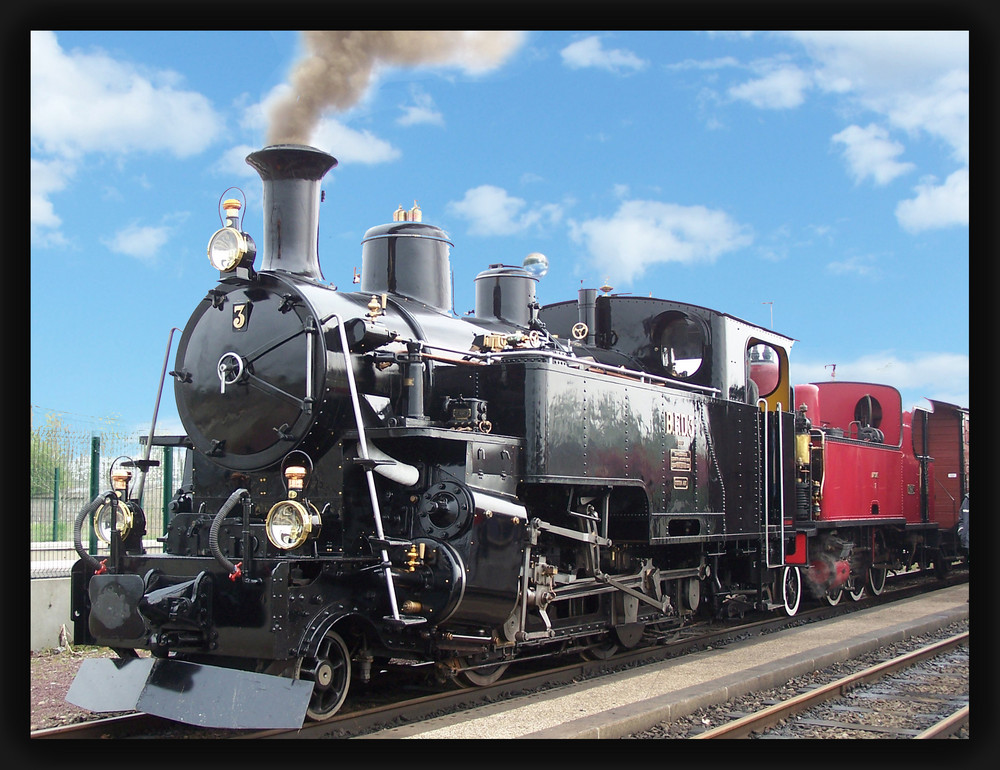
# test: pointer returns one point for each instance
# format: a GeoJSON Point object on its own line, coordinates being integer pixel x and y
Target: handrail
{"type": "Point", "coordinates": [369, 471]}
{"type": "Point", "coordinates": [767, 486]}
{"type": "Point", "coordinates": [575, 360]}
{"type": "Point", "coordinates": [156, 408]}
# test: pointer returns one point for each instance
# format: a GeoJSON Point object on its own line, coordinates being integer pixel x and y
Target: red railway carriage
{"type": "Point", "coordinates": [865, 462]}
{"type": "Point", "coordinates": [870, 497]}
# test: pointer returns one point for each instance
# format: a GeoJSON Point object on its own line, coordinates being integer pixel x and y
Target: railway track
{"type": "Point", "coordinates": [376, 710]}
{"type": "Point", "coordinates": [896, 698]}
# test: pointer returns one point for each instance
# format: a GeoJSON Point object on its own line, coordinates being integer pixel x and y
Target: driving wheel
{"type": "Point", "coordinates": [330, 673]}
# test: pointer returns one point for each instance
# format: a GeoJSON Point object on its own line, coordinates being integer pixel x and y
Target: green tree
{"type": "Point", "coordinates": [46, 455]}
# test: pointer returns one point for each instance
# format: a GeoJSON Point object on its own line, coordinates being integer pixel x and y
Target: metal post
{"type": "Point", "coordinates": [55, 506]}
{"type": "Point", "coordinates": [95, 483]}
{"type": "Point", "coordinates": [168, 484]}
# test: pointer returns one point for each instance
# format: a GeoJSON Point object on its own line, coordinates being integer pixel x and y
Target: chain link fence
{"type": "Point", "coordinates": [71, 462]}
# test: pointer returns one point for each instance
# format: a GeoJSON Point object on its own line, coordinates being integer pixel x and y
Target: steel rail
{"type": "Point", "coordinates": [947, 726]}
{"type": "Point", "coordinates": [742, 727]}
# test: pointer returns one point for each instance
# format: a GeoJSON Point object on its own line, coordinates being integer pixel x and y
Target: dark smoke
{"type": "Point", "coordinates": [338, 68]}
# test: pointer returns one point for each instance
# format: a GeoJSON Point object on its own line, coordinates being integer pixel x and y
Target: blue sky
{"type": "Point", "coordinates": [818, 181]}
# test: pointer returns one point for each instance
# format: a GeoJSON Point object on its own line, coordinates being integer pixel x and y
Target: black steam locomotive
{"type": "Point", "coordinates": [372, 479]}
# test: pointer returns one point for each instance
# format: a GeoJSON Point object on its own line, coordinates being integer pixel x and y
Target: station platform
{"type": "Point", "coordinates": [634, 701]}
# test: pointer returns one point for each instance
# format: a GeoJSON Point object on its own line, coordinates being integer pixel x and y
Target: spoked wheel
{"type": "Point", "coordinates": [834, 595]}
{"type": "Point", "coordinates": [330, 673]}
{"type": "Point", "coordinates": [481, 677]}
{"type": "Point", "coordinates": [876, 575]}
{"type": "Point", "coordinates": [876, 580]}
{"type": "Point", "coordinates": [791, 590]}
{"type": "Point", "coordinates": [855, 588]}
{"type": "Point", "coordinates": [604, 650]}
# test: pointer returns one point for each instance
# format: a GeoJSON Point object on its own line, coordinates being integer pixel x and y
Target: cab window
{"type": "Point", "coordinates": [682, 347]}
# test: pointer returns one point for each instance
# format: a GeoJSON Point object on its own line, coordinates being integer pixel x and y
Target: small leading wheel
{"type": "Point", "coordinates": [330, 673]}
{"type": "Point", "coordinates": [834, 595]}
{"type": "Point", "coordinates": [876, 580]}
{"type": "Point", "coordinates": [791, 590]}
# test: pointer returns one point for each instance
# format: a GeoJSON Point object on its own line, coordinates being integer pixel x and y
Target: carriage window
{"type": "Point", "coordinates": [763, 368]}
{"type": "Point", "coordinates": [681, 347]}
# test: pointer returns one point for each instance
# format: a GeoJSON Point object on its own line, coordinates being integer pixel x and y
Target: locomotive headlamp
{"type": "Point", "coordinates": [120, 480]}
{"type": "Point", "coordinates": [106, 515]}
{"type": "Point", "coordinates": [295, 474]}
{"type": "Point", "coordinates": [229, 248]}
{"type": "Point", "coordinates": [290, 523]}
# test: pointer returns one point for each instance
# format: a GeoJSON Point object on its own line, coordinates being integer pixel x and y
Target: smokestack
{"type": "Point", "coordinates": [291, 175]}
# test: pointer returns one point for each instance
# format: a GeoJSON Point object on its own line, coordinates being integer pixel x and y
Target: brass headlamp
{"type": "Point", "coordinates": [229, 247]}
{"type": "Point", "coordinates": [105, 517]}
{"type": "Point", "coordinates": [291, 523]}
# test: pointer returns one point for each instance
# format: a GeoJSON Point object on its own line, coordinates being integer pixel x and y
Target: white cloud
{"type": "Point", "coordinates": [590, 52]}
{"type": "Point", "coordinates": [642, 233]}
{"type": "Point", "coordinates": [90, 102]}
{"type": "Point", "coordinates": [941, 376]}
{"type": "Point", "coordinates": [918, 79]}
{"type": "Point", "coordinates": [856, 265]}
{"type": "Point", "coordinates": [937, 205]}
{"type": "Point", "coordinates": [780, 89]}
{"type": "Point", "coordinates": [47, 177]}
{"type": "Point", "coordinates": [421, 111]}
{"type": "Point", "coordinates": [705, 64]}
{"type": "Point", "coordinates": [140, 242]}
{"type": "Point", "coordinates": [870, 153]}
{"type": "Point", "coordinates": [233, 162]}
{"type": "Point", "coordinates": [882, 66]}
{"type": "Point", "coordinates": [941, 110]}
{"type": "Point", "coordinates": [919, 82]}
{"type": "Point", "coordinates": [490, 210]}
{"type": "Point", "coordinates": [349, 145]}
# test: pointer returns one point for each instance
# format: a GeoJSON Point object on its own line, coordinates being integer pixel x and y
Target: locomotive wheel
{"type": "Point", "coordinates": [604, 650]}
{"type": "Point", "coordinates": [876, 576]}
{"type": "Point", "coordinates": [480, 677]}
{"type": "Point", "coordinates": [330, 673]}
{"type": "Point", "coordinates": [855, 588]}
{"type": "Point", "coordinates": [791, 589]}
{"type": "Point", "coordinates": [876, 580]}
{"type": "Point", "coordinates": [834, 595]}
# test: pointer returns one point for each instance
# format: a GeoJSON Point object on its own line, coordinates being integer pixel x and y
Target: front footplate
{"type": "Point", "coordinates": [196, 694]}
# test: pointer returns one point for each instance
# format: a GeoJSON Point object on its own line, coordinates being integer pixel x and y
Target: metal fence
{"type": "Point", "coordinates": [71, 462]}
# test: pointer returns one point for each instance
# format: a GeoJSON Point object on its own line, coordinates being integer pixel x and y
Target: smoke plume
{"type": "Point", "coordinates": [339, 66]}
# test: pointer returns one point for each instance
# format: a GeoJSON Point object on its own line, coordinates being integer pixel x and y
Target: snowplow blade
{"type": "Point", "coordinates": [196, 694]}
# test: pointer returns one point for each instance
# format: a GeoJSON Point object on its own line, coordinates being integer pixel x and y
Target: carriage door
{"type": "Point", "coordinates": [768, 381]}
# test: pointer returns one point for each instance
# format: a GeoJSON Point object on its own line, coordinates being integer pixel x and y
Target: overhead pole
{"type": "Point", "coordinates": [772, 311]}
